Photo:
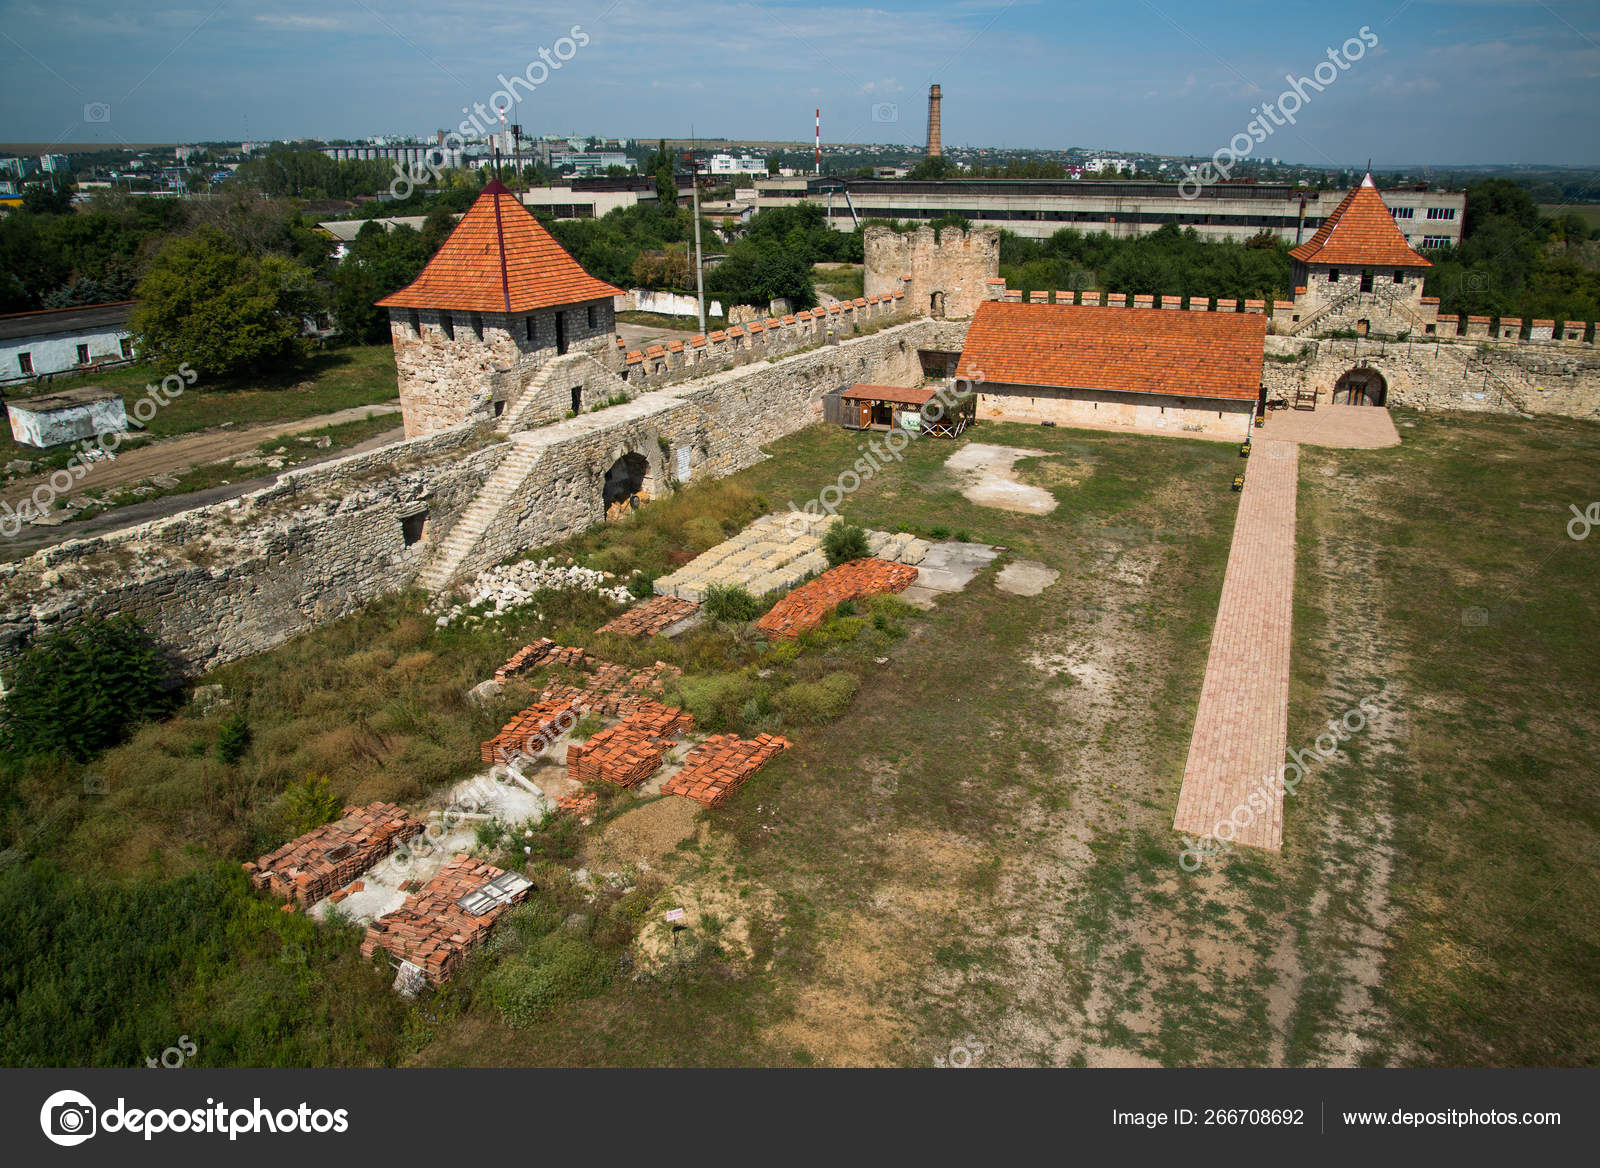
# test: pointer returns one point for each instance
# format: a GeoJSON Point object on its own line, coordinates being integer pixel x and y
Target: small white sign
{"type": "Point", "coordinates": [683, 463]}
{"type": "Point", "coordinates": [674, 915]}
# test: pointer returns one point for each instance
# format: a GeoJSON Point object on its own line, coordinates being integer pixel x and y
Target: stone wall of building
{"type": "Point", "coordinates": [943, 274]}
{"type": "Point", "coordinates": [456, 366]}
{"type": "Point", "coordinates": [1086, 407]}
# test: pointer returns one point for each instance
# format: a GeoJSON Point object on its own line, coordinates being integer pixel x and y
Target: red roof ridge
{"type": "Point", "coordinates": [1361, 231]}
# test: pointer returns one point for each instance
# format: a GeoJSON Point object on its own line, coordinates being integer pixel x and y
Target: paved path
{"type": "Point", "coordinates": [1347, 427]}
{"type": "Point", "coordinates": [1242, 725]}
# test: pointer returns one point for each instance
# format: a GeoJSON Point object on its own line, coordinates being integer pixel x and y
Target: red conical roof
{"type": "Point", "coordinates": [499, 259]}
{"type": "Point", "coordinates": [1360, 233]}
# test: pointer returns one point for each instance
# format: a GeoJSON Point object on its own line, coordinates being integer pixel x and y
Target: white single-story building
{"type": "Point", "coordinates": [69, 415]}
{"type": "Point", "coordinates": [64, 340]}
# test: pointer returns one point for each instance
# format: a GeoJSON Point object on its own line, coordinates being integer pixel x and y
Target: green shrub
{"type": "Point", "coordinates": [233, 739]}
{"type": "Point", "coordinates": [588, 726]}
{"type": "Point", "coordinates": [82, 689]}
{"type": "Point", "coordinates": [938, 532]}
{"type": "Point", "coordinates": [554, 969]}
{"type": "Point", "coordinates": [310, 803]}
{"type": "Point", "coordinates": [642, 585]}
{"type": "Point", "coordinates": [783, 652]}
{"type": "Point", "coordinates": [702, 532]}
{"type": "Point", "coordinates": [844, 542]}
{"type": "Point", "coordinates": [811, 702]}
{"type": "Point", "coordinates": [846, 608]}
{"type": "Point", "coordinates": [963, 536]}
{"type": "Point", "coordinates": [716, 699]}
{"type": "Point", "coordinates": [730, 602]}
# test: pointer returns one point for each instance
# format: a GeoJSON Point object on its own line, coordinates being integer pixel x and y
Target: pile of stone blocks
{"type": "Point", "coordinates": [722, 764]}
{"type": "Point", "coordinates": [431, 930]}
{"type": "Point", "coordinates": [654, 616]}
{"type": "Point", "coordinates": [774, 554]}
{"type": "Point", "coordinates": [320, 862]}
{"type": "Point", "coordinates": [631, 751]}
{"type": "Point", "coordinates": [531, 731]}
{"type": "Point", "coordinates": [809, 605]}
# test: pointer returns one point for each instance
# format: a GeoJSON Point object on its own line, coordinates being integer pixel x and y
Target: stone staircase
{"type": "Point", "coordinates": [497, 489]}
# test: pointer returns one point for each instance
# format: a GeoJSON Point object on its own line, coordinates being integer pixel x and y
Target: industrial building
{"type": "Point", "coordinates": [1038, 208]}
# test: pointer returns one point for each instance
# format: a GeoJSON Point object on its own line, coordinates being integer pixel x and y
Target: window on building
{"type": "Point", "coordinates": [448, 324]}
{"type": "Point", "coordinates": [594, 317]}
{"type": "Point", "coordinates": [25, 362]}
{"type": "Point", "coordinates": [1435, 241]}
{"type": "Point", "coordinates": [127, 348]}
{"type": "Point", "coordinates": [412, 527]}
{"type": "Point", "coordinates": [83, 354]}
{"type": "Point", "coordinates": [1333, 275]}
{"type": "Point", "coordinates": [1402, 212]}
{"type": "Point", "coordinates": [1399, 276]}
{"type": "Point", "coordinates": [528, 325]}
{"type": "Point", "coordinates": [1441, 212]}
{"type": "Point", "coordinates": [415, 320]}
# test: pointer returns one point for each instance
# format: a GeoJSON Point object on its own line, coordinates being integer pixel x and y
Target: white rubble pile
{"type": "Point", "coordinates": [511, 585]}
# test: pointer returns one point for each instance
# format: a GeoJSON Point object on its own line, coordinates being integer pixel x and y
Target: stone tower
{"type": "Point", "coordinates": [498, 300]}
{"type": "Point", "coordinates": [934, 97]}
{"type": "Point", "coordinates": [944, 273]}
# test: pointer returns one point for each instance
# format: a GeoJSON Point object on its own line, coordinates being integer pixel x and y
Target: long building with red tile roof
{"type": "Point", "coordinates": [1140, 367]}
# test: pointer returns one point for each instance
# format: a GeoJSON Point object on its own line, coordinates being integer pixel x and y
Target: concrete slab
{"type": "Point", "coordinates": [1026, 578]}
{"type": "Point", "coordinates": [951, 566]}
{"type": "Point", "coordinates": [992, 480]}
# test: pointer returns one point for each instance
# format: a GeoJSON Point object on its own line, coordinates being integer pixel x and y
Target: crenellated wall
{"type": "Point", "coordinates": [944, 274]}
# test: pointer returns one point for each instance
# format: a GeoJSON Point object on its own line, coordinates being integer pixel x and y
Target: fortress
{"type": "Point", "coordinates": [504, 346]}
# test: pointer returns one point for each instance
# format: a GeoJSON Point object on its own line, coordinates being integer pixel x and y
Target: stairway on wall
{"type": "Point", "coordinates": [497, 489]}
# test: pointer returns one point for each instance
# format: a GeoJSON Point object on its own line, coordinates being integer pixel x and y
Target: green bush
{"type": "Point", "coordinates": [554, 969]}
{"type": "Point", "coordinates": [642, 585]}
{"type": "Point", "coordinates": [938, 531]}
{"type": "Point", "coordinates": [730, 602]}
{"type": "Point", "coordinates": [844, 542]}
{"type": "Point", "coordinates": [310, 803]}
{"type": "Point", "coordinates": [811, 702]}
{"type": "Point", "coordinates": [716, 699]}
{"type": "Point", "coordinates": [82, 689]}
{"type": "Point", "coordinates": [963, 536]}
{"type": "Point", "coordinates": [233, 739]}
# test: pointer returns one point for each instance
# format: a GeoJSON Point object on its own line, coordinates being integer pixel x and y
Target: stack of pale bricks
{"type": "Point", "coordinates": [721, 764]}
{"type": "Point", "coordinates": [809, 605]}
{"type": "Point", "coordinates": [631, 751]}
{"type": "Point", "coordinates": [431, 930]}
{"type": "Point", "coordinates": [320, 862]}
{"type": "Point", "coordinates": [653, 616]}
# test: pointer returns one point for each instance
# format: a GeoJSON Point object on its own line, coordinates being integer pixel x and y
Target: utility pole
{"type": "Point", "coordinates": [699, 271]}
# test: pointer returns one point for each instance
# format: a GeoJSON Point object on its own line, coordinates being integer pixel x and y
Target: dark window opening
{"type": "Point", "coordinates": [414, 319]}
{"type": "Point", "coordinates": [477, 326]}
{"type": "Point", "coordinates": [561, 333]}
{"type": "Point", "coordinates": [577, 399]}
{"type": "Point", "coordinates": [83, 354]}
{"type": "Point", "coordinates": [412, 527]}
{"type": "Point", "coordinates": [1399, 276]}
{"type": "Point", "coordinates": [1366, 281]}
{"type": "Point", "coordinates": [127, 347]}
{"type": "Point", "coordinates": [1333, 275]}
{"type": "Point", "coordinates": [448, 324]}
{"type": "Point", "coordinates": [25, 362]}
{"type": "Point", "coordinates": [594, 317]}
{"type": "Point", "coordinates": [499, 408]}
{"type": "Point", "coordinates": [528, 325]}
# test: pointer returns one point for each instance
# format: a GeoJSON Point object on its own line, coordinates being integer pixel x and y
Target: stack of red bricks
{"type": "Point", "coordinates": [631, 751]}
{"type": "Point", "coordinates": [612, 691]}
{"type": "Point", "coordinates": [431, 930]}
{"type": "Point", "coordinates": [544, 651]}
{"type": "Point", "coordinates": [809, 605]}
{"type": "Point", "coordinates": [653, 616]}
{"type": "Point", "coordinates": [721, 764]}
{"type": "Point", "coordinates": [579, 803]}
{"type": "Point", "coordinates": [317, 864]}
{"type": "Point", "coordinates": [530, 731]}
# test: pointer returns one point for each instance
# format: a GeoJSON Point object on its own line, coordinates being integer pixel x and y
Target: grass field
{"type": "Point", "coordinates": [1589, 211]}
{"type": "Point", "coordinates": [980, 842]}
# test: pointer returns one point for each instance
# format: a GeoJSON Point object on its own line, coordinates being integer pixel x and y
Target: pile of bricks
{"type": "Point", "coordinates": [530, 731]}
{"type": "Point", "coordinates": [721, 764]}
{"type": "Point", "coordinates": [580, 803]}
{"type": "Point", "coordinates": [544, 651]}
{"type": "Point", "coordinates": [809, 605]}
{"type": "Point", "coordinates": [654, 616]}
{"type": "Point", "coordinates": [631, 751]}
{"type": "Point", "coordinates": [611, 690]}
{"type": "Point", "coordinates": [431, 930]}
{"type": "Point", "coordinates": [317, 864]}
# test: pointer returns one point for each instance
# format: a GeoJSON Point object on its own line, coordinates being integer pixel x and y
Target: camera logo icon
{"type": "Point", "coordinates": [97, 111]}
{"type": "Point", "coordinates": [885, 111]}
{"type": "Point", "coordinates": [1474, 282]}
{"type": "Point", "coordinates": [68, 1118]}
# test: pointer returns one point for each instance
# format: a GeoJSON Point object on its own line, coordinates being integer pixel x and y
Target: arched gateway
{"type": "Point", "coordinates": [1363, 386]}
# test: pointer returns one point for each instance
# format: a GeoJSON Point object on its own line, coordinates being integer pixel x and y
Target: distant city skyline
{"type": "Point", "coordinates": [1413, 83]}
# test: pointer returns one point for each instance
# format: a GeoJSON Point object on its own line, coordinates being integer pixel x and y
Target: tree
{"type": "Point", "coordinates": [937, 167]}
{"type": "Point", "coordinates": [378, 263]}
{"type": "Point", "coordinates": [207, 303]}
{"type": "Point", "coordinates": [47, 199]}
{"type": "Point", "coordinates": [84, 688]}
{"type": "Point", "coordinates": [666, 183]}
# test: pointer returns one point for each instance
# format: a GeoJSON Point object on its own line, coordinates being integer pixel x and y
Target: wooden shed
{"type": "Point", "coordinates": [884, 407]}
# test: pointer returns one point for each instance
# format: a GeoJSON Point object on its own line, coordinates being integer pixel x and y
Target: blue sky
{"type": "Point", "coordinates": [1446, 83]}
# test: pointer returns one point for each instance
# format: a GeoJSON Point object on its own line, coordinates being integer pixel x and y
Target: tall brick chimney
{"type": "Point", "coordinates": [934, 149]}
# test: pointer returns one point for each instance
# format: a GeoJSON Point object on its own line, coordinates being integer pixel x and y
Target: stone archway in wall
{"type": "Point", "coordinates": [1362, 386]}
{"type": "Point", "coordinates": [632, 476]}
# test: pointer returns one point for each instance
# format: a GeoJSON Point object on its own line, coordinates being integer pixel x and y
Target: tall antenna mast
{"type": "Point", "coordinates": [819, 139]}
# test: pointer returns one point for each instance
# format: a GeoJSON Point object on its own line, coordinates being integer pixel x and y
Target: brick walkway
{"type": "Point", "coordinates": [1241, 727]}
